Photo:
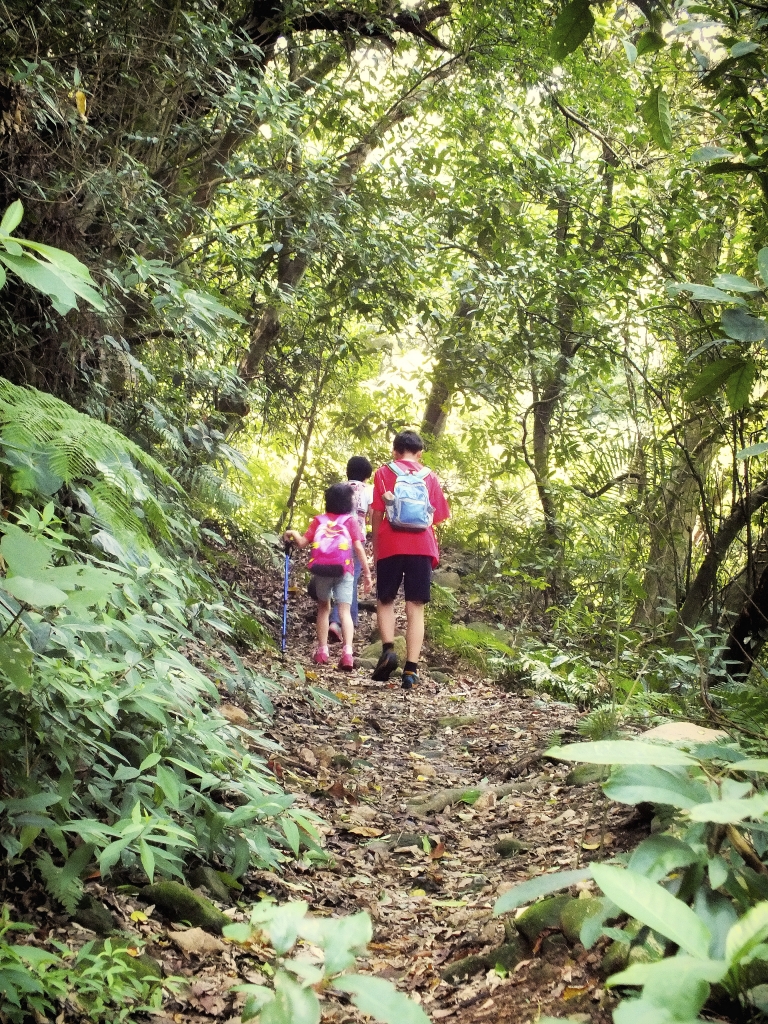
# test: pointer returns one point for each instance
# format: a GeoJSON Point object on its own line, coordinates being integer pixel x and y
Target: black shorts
{"type": "Point", "coordinates": [415, 570]}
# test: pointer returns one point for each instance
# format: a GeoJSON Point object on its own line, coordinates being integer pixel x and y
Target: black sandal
{"type": "Point", "coordinates": [385, 666]}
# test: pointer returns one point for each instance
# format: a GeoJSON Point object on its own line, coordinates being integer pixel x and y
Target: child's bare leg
{"type": "Point", "coordinates": [323, 612]}
{"type": "Point", "coordinates": [347, 626]}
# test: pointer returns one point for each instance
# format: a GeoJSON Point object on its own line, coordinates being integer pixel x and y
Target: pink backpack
{"type": "Point", "coordinates": [332, 547]}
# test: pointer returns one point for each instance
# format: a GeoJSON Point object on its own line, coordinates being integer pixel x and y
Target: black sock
{"type": "Point", "coordinates": [387, 647]}
{"type": "Point", "coordinates": [411, 666]}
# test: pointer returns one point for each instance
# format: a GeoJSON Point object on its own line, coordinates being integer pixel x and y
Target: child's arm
{"type": "Point", "coordinates": [363, 559]}
{"type": "Point", "coordinates": [294, 537]}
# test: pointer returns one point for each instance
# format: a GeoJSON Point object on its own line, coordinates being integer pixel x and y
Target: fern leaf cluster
{"type": "Point", "coordinates": [46, 445]}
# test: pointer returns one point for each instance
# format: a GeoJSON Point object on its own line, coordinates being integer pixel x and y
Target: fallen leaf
{"type": "Point", "coordinates": [308, 757]}
{"type": "Point", "coordinates": [195, 940]}
{"type": "Point", "coordinates": [439, 851]}
{"type": "Point", "coordinates": [573, 991]}
{"type": "Point", "coordinates": [365, 830]}
{"type": "Point", "coordinates": [139, 915]}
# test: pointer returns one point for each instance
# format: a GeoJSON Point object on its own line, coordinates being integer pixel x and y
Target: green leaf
{"type": "Point", "coordinates": [291, 834]}
{"type": "Point", "coordinates": [748, 932]}
{"type": "Point", "coordinates": [649, 42]}
{"type": "Point", "coordinates": [24, 554]}
{"type": "Point", "coordinates": [762, 264]}
{"type": "Point", "coordinates": [717, 871]}
{"type": "Point", "coordinates": [656, 114]}
{"type": "Point", "coordinates": [11, 218]}
{"type": "Point", "coordinates": [341, 938]}
{"type": "Point", "coordinates": [750, 764]}
{"type": "Point", "coordinates": [712, 377]}
{"type": "Point", "coordinates": [635, 784]}
{"type": "Point", "coordinates": [718, 914]}
{"type": "Point", "coordinates": [15, 661]}
{"type": "Point", "coordinates": [573, 25]}
{"type": "Point", "coordinates": [656, 856]}
{"type": "Point", "coordinates": [742, 327]}
{"type": "Point", "coordinates": [168, 781]}
{"type": "Point", "coordinates": [43, 278]}
{"type": "Point", "coordinates": [631, 51]}
{"type": "Point", "coordinates": [621, 752]}
{"type": "Point", "coordinates": [280, 923]}
{"type": "Point", "coordinates": [293, 1004]}
{"type": "Point", "coordinates": [702, 293]}
{"type": "Point", "coordinates": [753, 449]}
{"type": "Point", "coordinates": [147, 859]}
{"type": "Point", "coordinates": [731, 811]}
{"type": "Point", "coordinates": [743, 48]}
{"type": "Point", "coordinates": [654, 906]}
{"type": "Point", "coordinates": [704, 154]}
{"type": "Point", "coordinates": [381, 999]}
{"type": "Point", "coordinates": [34, 593]}
{"type": "Point", "coordinates": [680, 984]}
{"type": "Point", "coordinates": [738, 387]}
{"type": "Point", "coordinates": [732, 282]}
{"type": "Point", "coordinates": [542, 885]}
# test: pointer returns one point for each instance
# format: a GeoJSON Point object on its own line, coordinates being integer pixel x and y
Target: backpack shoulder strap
{"type": "Point", "coordinates": [417, 474]}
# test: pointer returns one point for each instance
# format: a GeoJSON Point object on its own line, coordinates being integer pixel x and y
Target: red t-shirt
{"type": "Point", "coordinates": [353, 529]}
{"type": "Point", "coordinates": [407, 542]}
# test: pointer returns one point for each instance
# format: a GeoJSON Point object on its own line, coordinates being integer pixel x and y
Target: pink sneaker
{"type": "Point", "coordinates": [346, 661]}
{"type": "Point", "coordinates": [320, 657]}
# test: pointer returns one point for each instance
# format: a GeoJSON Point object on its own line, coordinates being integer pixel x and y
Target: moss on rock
{"type": "Point", "coordinates": [575, 914]}
{"type": "Point", "coordinates": [179, 903]}
{"type": "Point", "coordinates": [540, 916]}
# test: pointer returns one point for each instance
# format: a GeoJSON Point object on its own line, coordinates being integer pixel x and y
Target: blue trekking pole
{"type": "Point", "coordinates": [286, 575]}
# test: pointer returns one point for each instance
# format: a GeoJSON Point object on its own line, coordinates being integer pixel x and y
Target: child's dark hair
{"type": "Point", "coordinates": [339, 499]}
{"type": "Point", "coordinates": [407, 441]}
{"type": "Point", "coordinates": [359, 468]}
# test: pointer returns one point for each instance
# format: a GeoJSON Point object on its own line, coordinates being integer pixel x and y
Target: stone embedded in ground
{"type": "Point", "coordinates": [684, 732]}
{"type": "Point", "coordinates": [540, 916]}
{"type": "Point", "coordinates": [179, 903]}
{"type": "Point", "coordinates": [92, 914]}
{"type": "Point", "coordinates": [508, 846]}
{"type": "Point", "coordinates": [374, 650]}
{"type": "Point", "coordinates": [456, 721]}
{"type": "Point", "coordinates": [205, 877]}
{"type": "Point", "coordinates": [583, 774]}
{"type": "Point", "coordinates": [439, 677]}
{"type": "Point", "coordinates": [447, 578]}
{"type": "Point", "coordinates": [508, 955]}
{"type": "Point", "coordinates": [620, 954]}
{"type": "Point", "coordinates": [341, 761]}
{"type": "Point", "coordinates": [575, 914]}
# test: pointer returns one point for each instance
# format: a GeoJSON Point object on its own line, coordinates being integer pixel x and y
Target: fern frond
{"type": "Point", "coordinates": [65, 886]}
{"type": "Point", "coordinates": [101, 466]}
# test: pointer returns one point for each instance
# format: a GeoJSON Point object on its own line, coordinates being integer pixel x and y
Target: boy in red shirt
{"type": "Point", "coordinates": [339, 501]}
{"type": "Point", "coordinates": [403, 556]}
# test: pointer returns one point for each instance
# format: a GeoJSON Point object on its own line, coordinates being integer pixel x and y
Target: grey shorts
{"type": "Point", "coordinates": [340, 588]}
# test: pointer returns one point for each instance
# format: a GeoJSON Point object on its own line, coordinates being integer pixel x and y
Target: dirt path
{"type": "Point", "coordinates": [358, 763]}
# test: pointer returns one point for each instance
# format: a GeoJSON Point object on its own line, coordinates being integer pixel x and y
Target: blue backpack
{"type": "Point", "coordinates": [410, 508]}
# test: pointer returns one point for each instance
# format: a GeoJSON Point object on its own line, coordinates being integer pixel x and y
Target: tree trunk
{"type": "Point", "coordinates": [700, 591]}
{"type": "Point", "coordinates": [748, 632]}
{"type": "Point", "coordinates": [673, 516]}
{"type": "Point", "coordinates": [448, 369]}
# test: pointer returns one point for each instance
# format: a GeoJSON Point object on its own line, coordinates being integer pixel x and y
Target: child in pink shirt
{"type": "Point", "coordinates": [339, 504]}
